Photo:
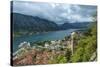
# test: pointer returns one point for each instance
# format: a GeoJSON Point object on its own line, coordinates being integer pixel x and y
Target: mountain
{"type": "Point", "coordinates": [75, 25]}
{"type": "Point", "coordinates": [28, 23]}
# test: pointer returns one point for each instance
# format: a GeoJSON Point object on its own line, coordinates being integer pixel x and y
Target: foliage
{"type": "Point", "coordinates": [77, 57]}
{"type": "Point", "coordinates": [86, 46]}
{"type": "Point", "coordinates": [58, 59]}
{"type": "Point", "coordinates": [68, 55]}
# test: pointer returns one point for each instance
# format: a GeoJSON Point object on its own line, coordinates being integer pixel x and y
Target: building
{"type": "Point", "coordinates": [24, 45]}
{"type": "Point", "coordinates": [73, 41]}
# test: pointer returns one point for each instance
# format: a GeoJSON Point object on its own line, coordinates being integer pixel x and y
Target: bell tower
{"type": "Point", "coordinates": [72, 41]}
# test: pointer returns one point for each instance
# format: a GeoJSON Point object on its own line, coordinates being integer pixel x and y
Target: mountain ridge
{"type": "Point", "coordinates": [29, 23]}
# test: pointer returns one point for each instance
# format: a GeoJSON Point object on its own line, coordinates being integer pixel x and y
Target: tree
{"type": "Point", "coordinates": [68, 55]}
{"type": "Point", "coordinates": [87, 45]}
{"type": "Point", "coordinates": [77, 57]}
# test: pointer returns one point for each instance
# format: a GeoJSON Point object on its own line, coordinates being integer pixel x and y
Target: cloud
{"type": "Point", "coordinates": [57, 12]}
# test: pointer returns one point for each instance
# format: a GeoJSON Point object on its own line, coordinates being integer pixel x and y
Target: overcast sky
{"type": "Point", "coordinates": [57, 12]}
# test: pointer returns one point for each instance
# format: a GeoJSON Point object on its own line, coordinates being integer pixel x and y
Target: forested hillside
{"type": "Point", "coordinates": [87, 45]}
{"type": "Point", "coordinates": [28, 23]}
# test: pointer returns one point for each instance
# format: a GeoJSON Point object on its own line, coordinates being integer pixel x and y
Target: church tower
{"type": "Point", "coordinates": [73, 34]}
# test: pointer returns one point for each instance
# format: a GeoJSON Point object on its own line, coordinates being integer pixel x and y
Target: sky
{"type": "Point", "coordinates": [57, 12]}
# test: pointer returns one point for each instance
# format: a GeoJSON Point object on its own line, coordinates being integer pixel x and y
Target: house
{"type": "Point", "coordinates": [46, 45]}
{"type": "Point", "coordinates": [24, 45]}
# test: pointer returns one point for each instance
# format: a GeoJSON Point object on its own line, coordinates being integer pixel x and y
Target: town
{"type": "Point", "coordinates": [46, 52]}
{"type": "Point", "coordinates": [51, 52]}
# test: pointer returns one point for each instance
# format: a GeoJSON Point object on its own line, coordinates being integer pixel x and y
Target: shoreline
{"type": "Point", "coordinates": [53, 32]}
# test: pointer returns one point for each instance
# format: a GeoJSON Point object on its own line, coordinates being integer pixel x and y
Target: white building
{"type": "Point", "coordinates": [46, 45]}
{"type": "Point", "coordinates": [24, 44]}
{"type": "Point", "coordinates": [53, 42]}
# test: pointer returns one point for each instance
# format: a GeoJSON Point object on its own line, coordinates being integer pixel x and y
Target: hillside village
{"type": "Point", "coordinates": [77, 47]}
{"type": "Point", "coordinates": [46, 53]}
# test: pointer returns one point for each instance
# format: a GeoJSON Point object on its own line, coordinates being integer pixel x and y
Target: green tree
{"type": "Point", "coordinates": [77, 57]}
{"type": "Point", "coordinates": [87, 45]}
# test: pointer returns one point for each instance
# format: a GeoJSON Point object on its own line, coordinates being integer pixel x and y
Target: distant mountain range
{"type": "Point", "coordinates": [23, 22]}
{"type": "Point", "coordinates": [29, 23]}
{"type": "Point", "coordinates": [75, 25]}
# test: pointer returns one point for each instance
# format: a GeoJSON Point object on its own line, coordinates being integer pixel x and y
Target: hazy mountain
{"type": "Point", "coordinates": [74, 25]}
{"type": "Point", "coordinates": [29, 23]}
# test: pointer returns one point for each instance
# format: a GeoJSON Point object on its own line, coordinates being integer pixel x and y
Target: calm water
{"type": "Point", "coordinates": [55, 35]}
